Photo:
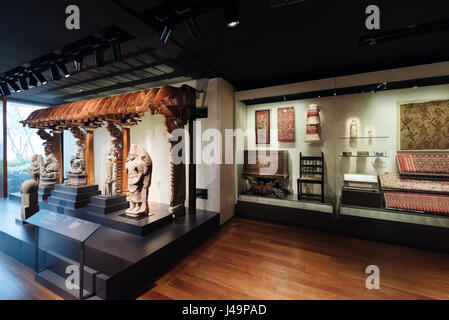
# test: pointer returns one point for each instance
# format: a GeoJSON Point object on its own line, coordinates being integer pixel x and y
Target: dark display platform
{"type": "Point", "coordinates": [119, 265]}
{"type": "Point", "coordinates": [66, 199]}
{"type": "Point", "coordinates": [374, 227]}
{"type": "Point", "coordinates": [159, 215]}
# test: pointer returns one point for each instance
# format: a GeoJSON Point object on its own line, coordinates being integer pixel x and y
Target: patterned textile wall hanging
{"type": "Point", "coordinates": [286, 124]}
{"type": "Point", "coordinates": [424, 126]}
{"type": "Point", "coordinates": [263, 127]}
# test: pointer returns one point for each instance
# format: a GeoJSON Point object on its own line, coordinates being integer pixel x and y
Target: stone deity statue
{"type": "Point", "coordinates": [353, 129]}
{"type": "Point", "coordinates": [37, 163]}
{"type": "Point", "coordinates": [77, 175]}
{"type": "Point", "coordinates": [50, 171]}
{"type": "Point", "coordinates": [139, 167]}
{"type": "Point", "coordinates": [109, 179]}
{"type": "Point", "coordinates": [30, 203]}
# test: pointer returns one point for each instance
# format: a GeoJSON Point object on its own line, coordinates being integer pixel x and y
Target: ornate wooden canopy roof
{"type": "Point", "coordinates": [172, 102]}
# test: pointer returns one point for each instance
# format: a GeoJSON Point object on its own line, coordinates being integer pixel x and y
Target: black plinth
{"type": "Point", "coordinates": [105, 205]}
{"type": "Point", "coordinates": [158, 216]}
{"type": "Point", "coordinates": [66, 199]}
{"type": "Point", "coordinates": [44, 192]}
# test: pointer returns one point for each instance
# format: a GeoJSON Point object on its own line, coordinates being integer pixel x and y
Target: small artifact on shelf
{"type": "Point", "coordinates": [139, 167]}
{"type": "Point", "coordinates": [360, 182]}
{"type": "Point", "coordinates": [50, 171]}
{"type": "Point", "coordinates": [77, 175]}
{"type": "Point", "coordinates": [370, 133]}
{"type": "Point", "coordinates": [109, 179]}
{"type": "Point", "coordinates": [353, 129]}
{"type": "Point", "coordinates": [363, 153]}
{"type": "Point", "coordinates": [313, 124]}
{"type": "Point", "coordinates": [346, 154]}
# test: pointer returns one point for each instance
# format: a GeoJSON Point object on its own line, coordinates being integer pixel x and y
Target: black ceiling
{"type": "Point", "coordinates": [303, 41]}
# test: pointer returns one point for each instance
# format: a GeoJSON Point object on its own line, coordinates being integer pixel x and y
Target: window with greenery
{"type": "Point", "coordinates": [22, 143]}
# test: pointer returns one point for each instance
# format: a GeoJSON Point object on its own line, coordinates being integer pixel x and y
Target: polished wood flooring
{"type": "Point", "coordinates": [249, 259]}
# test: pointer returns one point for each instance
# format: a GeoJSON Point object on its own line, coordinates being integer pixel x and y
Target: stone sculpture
{"type": "Point", "coordinates": [50, 171]}
{"type": "Point", "coordinates": [77, 176]}
{"type": "Point", "coordinates": [37, 163]}
{"type": "Point", "coordinates": [139, 167]}
{"type": "Point", "coordinates": [109, 180]}
{"type": "Point", "coordinates": [313, 124]}
{"type": "Point", "coordinates": [30, 204]}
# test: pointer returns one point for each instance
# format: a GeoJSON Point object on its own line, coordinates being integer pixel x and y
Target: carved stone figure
{"type": "Point", "coordinates": [109, 180]}
{"type": "Point", "coordinates": [50, 171]}
{"type": "Point", "coordinates": [36, 166]}
{"type": "Point", "coordinates": [77, 176]}
{"type": "Point", "coordinates": [30, 204]}
{"type": "Point", "coordinates": [353, 129]}
{"type": "Point", "coordinates": [139, 167]}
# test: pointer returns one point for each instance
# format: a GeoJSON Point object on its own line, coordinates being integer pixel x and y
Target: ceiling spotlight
{"type": "Point", "coordinates": [40, 77]}
{"type": "Point", "coordinates": [63, 69]}
{"type": "Point", "coordinates": [32, 81]}
{"type": "Point", "coordinates": [98, 56]}
{"type": "Point", "coordinates": [193, 28]}
{"type": "Point", "coordinates": [54, 72]}
{"type": "Point", "coordinates": [14, 86]}
{"type": "Point", "coordinates": [23, 82]}
{"type": "Point", "coordinates": [78, 62]}
{"type": "Point", "coordinates": [5, 89]}
{"type": "Point", "coordinates": [232, 16]}
{"type": "Point", "coordinates": [166, 33]}
{"type": "Point", "coordinates": [116, 51]}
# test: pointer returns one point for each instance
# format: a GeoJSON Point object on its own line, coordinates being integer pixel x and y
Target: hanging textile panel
{"type": "Point", "coordinates": [263, 127]}
{"type": "Point", "coordinates": [286, 124]}
{"type": "Point", "coordinates": [424, 126]}
{"type": "Point", "coordinates": [428, 203]}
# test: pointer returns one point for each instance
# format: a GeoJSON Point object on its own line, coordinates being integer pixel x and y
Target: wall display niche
{"type": "Point", "coordinates": [139, 167]}
{"type": "Point", "coordinates": [286, 124]}
{"type": "Point", "coordinates": [263, 127]}
{"type": "Point", "coordinates": [424, 125]}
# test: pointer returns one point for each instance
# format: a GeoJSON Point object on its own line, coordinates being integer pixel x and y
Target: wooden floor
{"type": "Point", "coordinates": [249, 259]}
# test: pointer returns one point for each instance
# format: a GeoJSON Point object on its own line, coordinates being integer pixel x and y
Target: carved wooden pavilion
{"type": "Point", "coordinates": [119, 113]}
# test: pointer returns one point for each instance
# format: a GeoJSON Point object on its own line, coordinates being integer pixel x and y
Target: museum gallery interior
{"type": "Point", "coordinates": [224, 150]}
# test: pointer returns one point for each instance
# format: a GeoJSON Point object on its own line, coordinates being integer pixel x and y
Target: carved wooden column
{"type": "Point", "coordinates": [57, 151]}
{"type": "Point", "coordinates": [125, 150]}
{"type": "Point", "coordinates": [89, 156]}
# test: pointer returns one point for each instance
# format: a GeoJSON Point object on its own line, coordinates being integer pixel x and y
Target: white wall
{"type": "Point", "coordinates": [218, 179]}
